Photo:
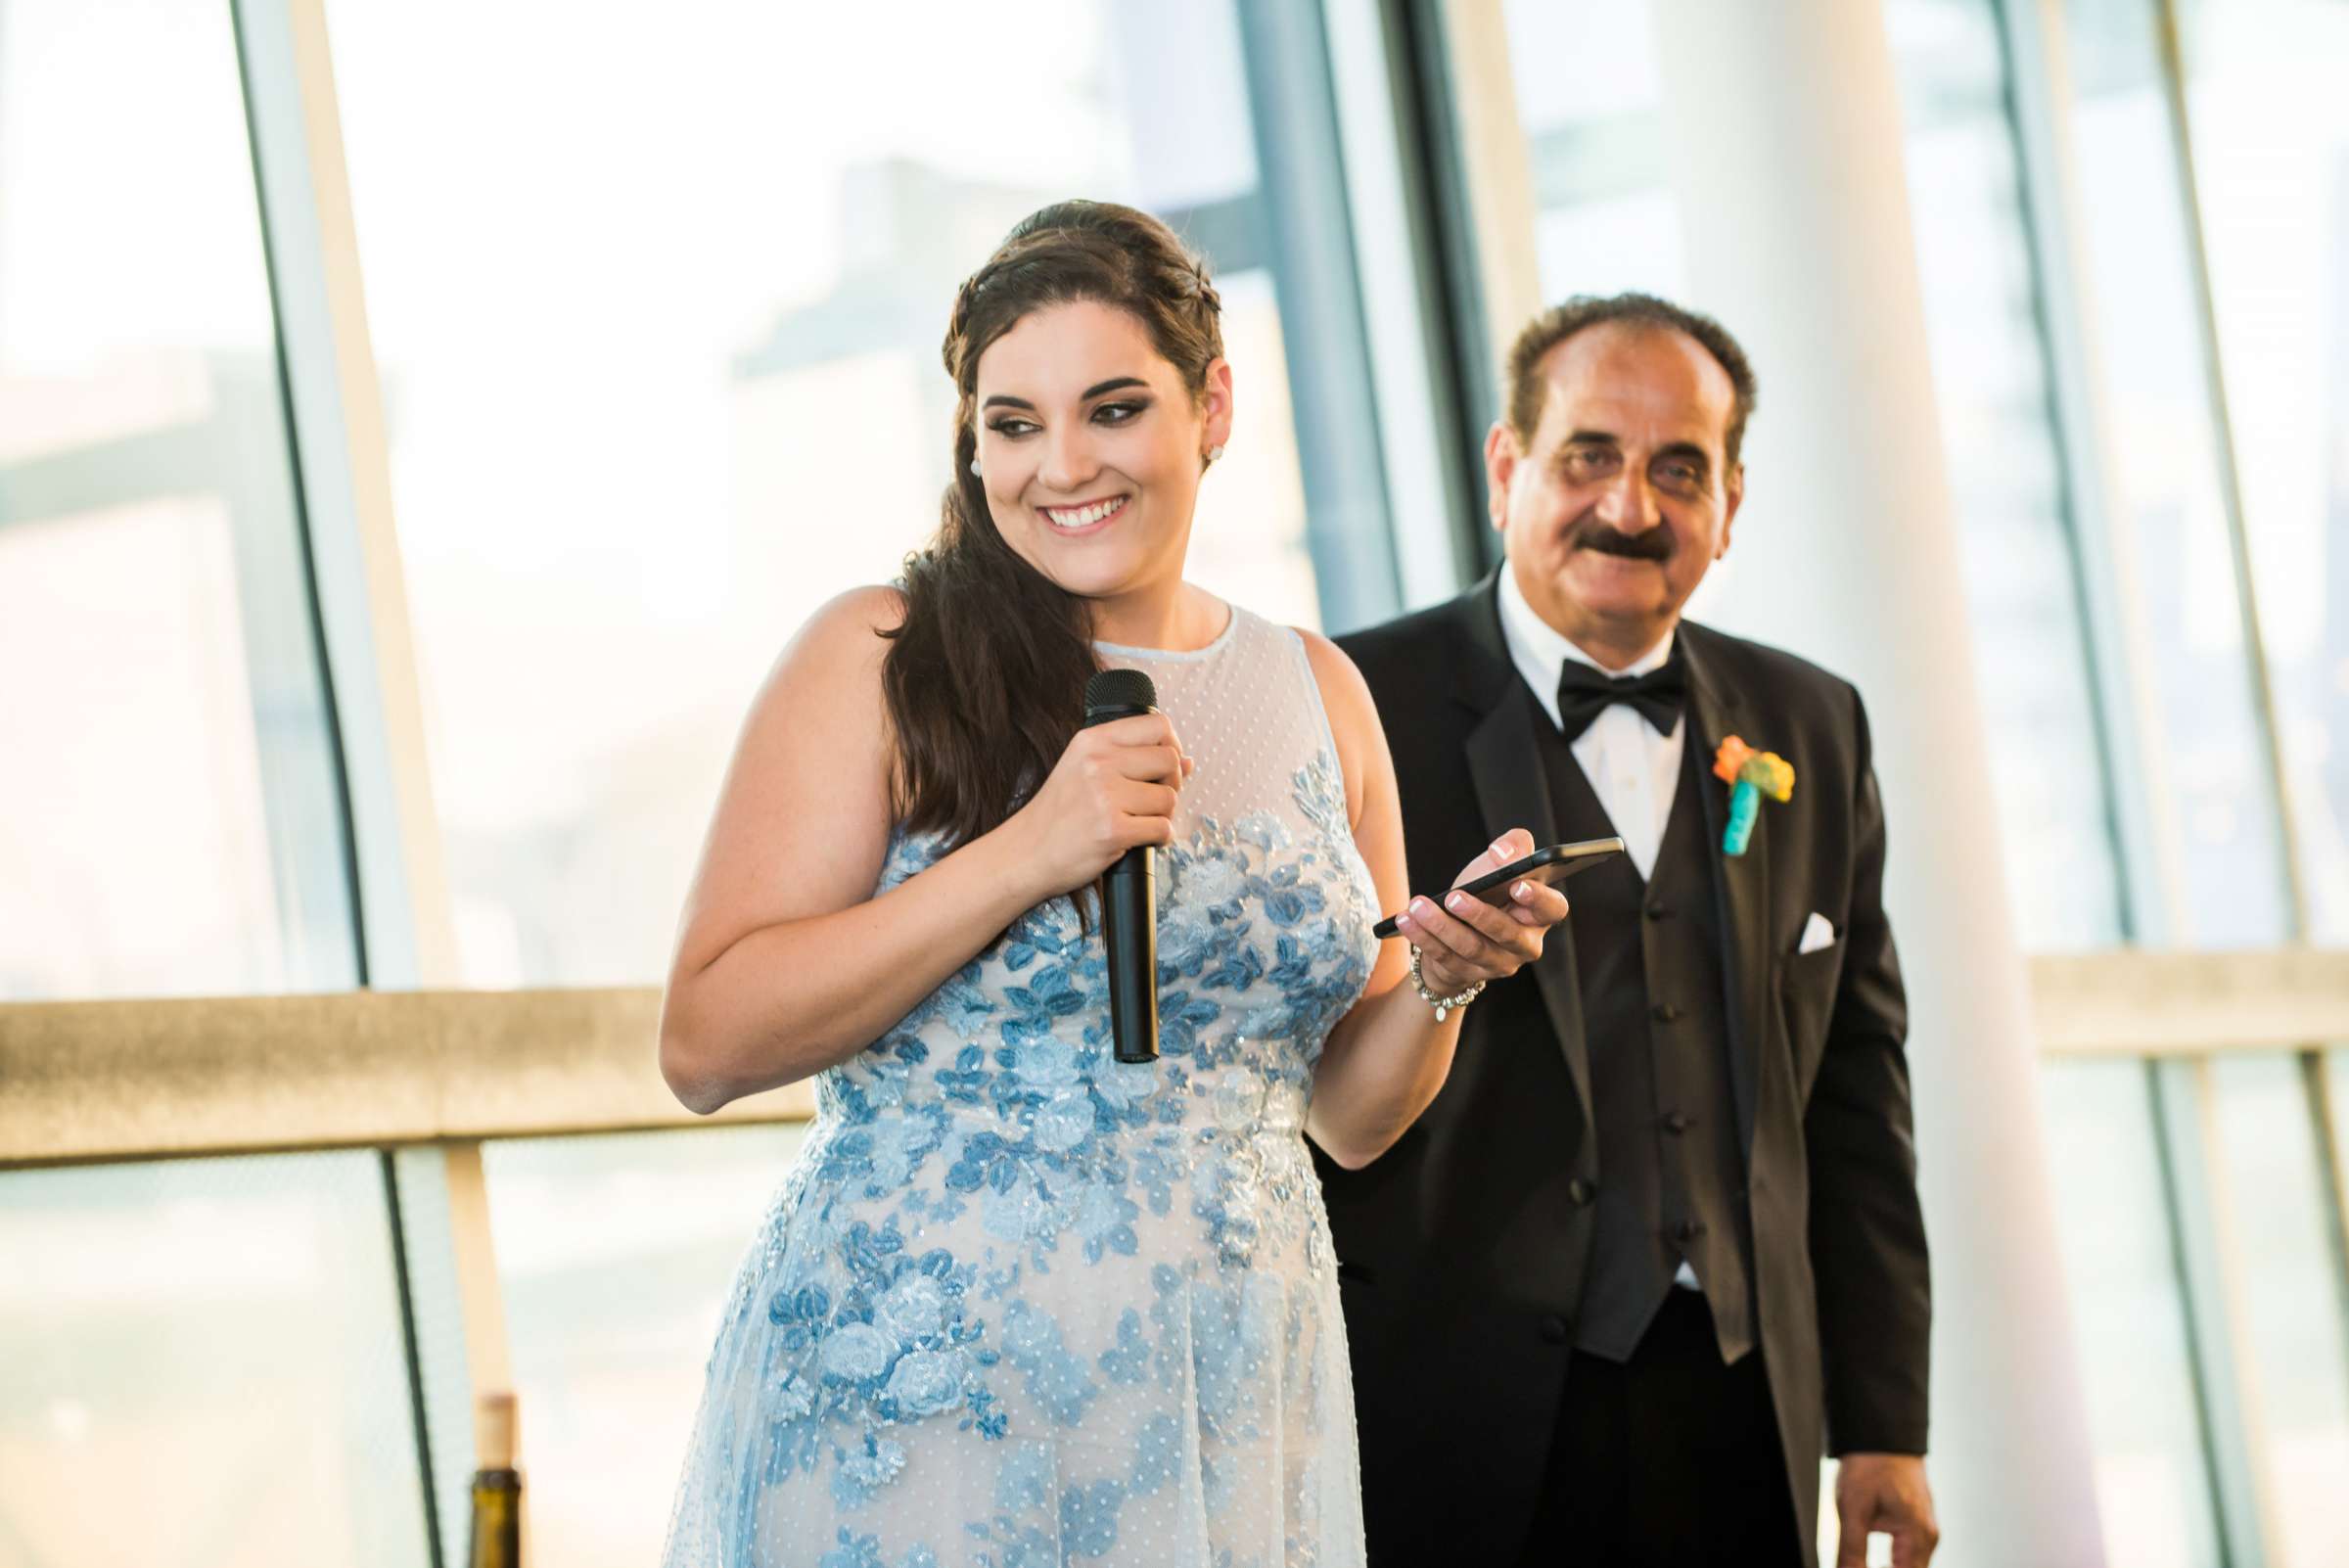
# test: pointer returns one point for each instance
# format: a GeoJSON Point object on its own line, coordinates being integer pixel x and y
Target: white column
{"type": "Point", "coordinates": [1786, 148]}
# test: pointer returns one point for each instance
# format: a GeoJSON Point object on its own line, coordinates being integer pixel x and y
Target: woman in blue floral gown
{"type": "Point", "coordinates": [1017, 1304]}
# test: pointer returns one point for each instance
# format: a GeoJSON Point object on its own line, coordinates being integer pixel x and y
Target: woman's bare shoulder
{"type": "Point", "coordinates": [854, 621]}
{"type": "Point", "coordinates": [802, 817]}
{"type": "Point", "coordinates": [1352, 716]}
{"type": "Point", "coordinates": [840, 645]}
{"type": "Point", "coordinates": [1343, 692]}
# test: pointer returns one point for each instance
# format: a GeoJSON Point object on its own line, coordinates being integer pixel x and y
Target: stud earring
{"type": "Point", "coordinates": [1216, 451]}
{"type": "Point", "coordinates": [975, 473]}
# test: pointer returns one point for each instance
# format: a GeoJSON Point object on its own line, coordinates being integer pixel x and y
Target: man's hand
{"type": "Point", "coordinates": [1884, 1491]}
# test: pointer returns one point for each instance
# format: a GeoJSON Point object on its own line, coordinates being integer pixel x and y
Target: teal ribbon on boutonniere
{"type": "Point", "coordinates": [1750, 775]}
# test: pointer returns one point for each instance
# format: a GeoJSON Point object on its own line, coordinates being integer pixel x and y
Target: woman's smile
{"type": "Point", "coordinates": [1085, 517]}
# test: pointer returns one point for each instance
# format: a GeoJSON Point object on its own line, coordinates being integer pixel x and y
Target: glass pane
{"type": "Point", "coordinates": [680, 382]}
{"type": "Point", "coordinates": [1589, 96]}
{"type": "Point", "coordinates": [2128, 1317]}
{"type": "Point", "coordinates": [2271, 137]}
{"type": "Point", "coordinates": [1990, 377]}
{"type": "Point", "coordinates": [1589, 92]}
{"type": "Point", "coordinates": [182, 830]}
{"type": "Point", "coordinates": [2299, 1326]}
{"type": "Point", "coordinates": [204, 1366]}
{"type": "Point", "coordinates": [615, 1254]}
{"type": "Point", "coordinates": [2210, 787]}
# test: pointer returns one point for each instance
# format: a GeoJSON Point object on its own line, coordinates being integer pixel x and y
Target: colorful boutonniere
{"type": "Point", "coordinates": [1750, 775]}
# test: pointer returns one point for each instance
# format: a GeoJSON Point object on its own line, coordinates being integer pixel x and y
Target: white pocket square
{"type": "Point", "coordinates": [1819, 932]}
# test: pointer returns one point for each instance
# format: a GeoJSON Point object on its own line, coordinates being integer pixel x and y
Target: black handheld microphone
{"type": "Point", "coordinates": [1129, 892]}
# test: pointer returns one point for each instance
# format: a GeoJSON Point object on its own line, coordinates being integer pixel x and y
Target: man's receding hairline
{"type": "Point", "coordinates": [1645, 326]}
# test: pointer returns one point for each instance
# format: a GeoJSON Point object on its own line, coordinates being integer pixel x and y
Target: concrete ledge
{"type": "Point", "coordinates": [84, 1082]}
{"type": "Point", "coordinates": [2138, 1003]}
{"type": "Point", "coordinates": [147, 1080]}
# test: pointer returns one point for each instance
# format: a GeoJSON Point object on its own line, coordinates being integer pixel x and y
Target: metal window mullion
{"type": "Point", "coordinates": [1399, 253]}
{"type": "Point", "coordinates": [2326, 1133]}
{"type": "Point", "coordinates": [1477, 172]}
{"type": "Point", "coordinates": [335, 412]}
{"type": "Point", "coordinates": [418, 1412]}
{"type": "Point", "coordinates": [343, 467]}
{"type": "Point", "coordinates": [2111, 603]}
{"type": "Point", "coordinates": [1350, 529]}
{"type": "Point", "coordinates": [2207, 1248]}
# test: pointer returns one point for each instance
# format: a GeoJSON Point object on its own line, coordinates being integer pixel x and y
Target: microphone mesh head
{"type": "Point", "coordinates": [1119, 688]}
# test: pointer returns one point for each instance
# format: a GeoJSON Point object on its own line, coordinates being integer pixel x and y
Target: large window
{"type": "Point", "coordinates": [170, 811]}
{"type": "Point", "coordinates": [1592, 98]}
{"type": "Point", "coordinates": [205, 1366]}
{"type": "Point", "coordinates": [615, 1257]}
{"type": "Point", "coordinates": [655, 299]}
{"type": "Point", "coordinates": [2131, 1320]}
{"type": "Point", "coordinates": [204, 1359]}
{"type": "Point", "coordinates": [658, 384]}
{"type": "Point", "coordinates": [2020, 508]}
{"type": "Point", "coordinates": [2271, 146]}
{"type": "Point", "coordinates": [2006, 463]}
{"type": "Point", "coordinates": [661, 382]}
{"type": "Point", "coordinates": [1590, 91]}
{"type": "Point", "coordinates": [2137, 394]}
{"type": "Point", "coordinates": [2215, 854]}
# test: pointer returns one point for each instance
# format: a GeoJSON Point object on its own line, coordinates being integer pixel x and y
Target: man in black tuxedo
{"type": "Point", "coordinates": [1657, 1242]}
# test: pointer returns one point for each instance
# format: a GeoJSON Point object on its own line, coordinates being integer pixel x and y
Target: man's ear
{"type": "Point", "coordinates": [1501, 457]}
{"type": "Point", "coordinates": [1735, 494]}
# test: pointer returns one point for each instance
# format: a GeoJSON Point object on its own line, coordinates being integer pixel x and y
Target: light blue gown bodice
{"type": "Point", "coordinates": [1018, 1305]}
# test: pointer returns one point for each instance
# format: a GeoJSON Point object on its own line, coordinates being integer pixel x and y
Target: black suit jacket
{"type": "Point", "coordinates": [1462, 1249]}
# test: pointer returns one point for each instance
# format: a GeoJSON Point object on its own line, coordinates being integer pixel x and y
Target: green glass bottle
{"type": "Point", "coordinates": [496, 1485]}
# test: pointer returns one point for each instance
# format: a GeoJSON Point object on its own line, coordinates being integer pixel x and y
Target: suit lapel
{"type": "Point", "coordinates": [1512, 790]}
{"type": "Point", "coordinates": [1741, 882]}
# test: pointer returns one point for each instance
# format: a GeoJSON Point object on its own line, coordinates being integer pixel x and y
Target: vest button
{"type": "Point", "coordinates": [1555, 1329]}
{"type": "Point", "coordinates": [1581, 1191]}
{"type": "Point", "coordinates": [1675, 1122]}
{"type": "Point", "coordinates": [1659, 910]}
{"type": "Point", "coordinates": [1686, 1230]}
{"type": "Point", "coordinates": [1664, 1013]}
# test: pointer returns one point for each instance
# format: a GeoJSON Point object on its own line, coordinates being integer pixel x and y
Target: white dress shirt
{"type": "Point", "coordinates": [1633, 770]}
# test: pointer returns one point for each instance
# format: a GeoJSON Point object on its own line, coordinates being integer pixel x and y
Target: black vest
{"type": "Point", "coordinates": [1655, 1023]}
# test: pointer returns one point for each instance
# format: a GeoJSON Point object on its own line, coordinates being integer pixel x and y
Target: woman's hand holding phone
{"type": "Point", "coordinates": [1463, 938]}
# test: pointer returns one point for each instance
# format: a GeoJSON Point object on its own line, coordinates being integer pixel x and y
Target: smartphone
{"type": "Point", "coordinates": [1548, 866]}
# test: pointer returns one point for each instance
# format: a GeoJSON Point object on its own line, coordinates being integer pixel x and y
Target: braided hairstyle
{"type": "Point", "coordinates": [985, 677]}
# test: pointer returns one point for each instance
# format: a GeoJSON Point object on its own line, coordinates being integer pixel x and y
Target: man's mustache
{"type": "Point", "coordinates": [1649, 544]}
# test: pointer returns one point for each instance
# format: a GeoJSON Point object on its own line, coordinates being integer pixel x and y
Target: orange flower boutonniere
{"type": "Point", "coordinates": [1750, 775]}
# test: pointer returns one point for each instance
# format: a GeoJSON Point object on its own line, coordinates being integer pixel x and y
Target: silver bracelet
{"type": "Point", "coordinates": [1442, 1004]}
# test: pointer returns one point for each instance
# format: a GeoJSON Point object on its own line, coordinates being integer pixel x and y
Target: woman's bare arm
{"type": "Point", "coordinates": [1386, 1059]}
{"type": "Point", "coordinates": [785, 962]}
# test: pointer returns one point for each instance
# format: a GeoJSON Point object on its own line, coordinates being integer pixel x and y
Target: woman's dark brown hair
{"type": "Point", "coordinates": [985, 679]}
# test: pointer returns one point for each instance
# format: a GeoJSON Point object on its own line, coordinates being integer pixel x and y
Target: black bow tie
{"type": "Point", "coordinates": [1584, 692]}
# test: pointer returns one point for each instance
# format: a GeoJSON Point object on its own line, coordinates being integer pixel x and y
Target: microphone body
{"type": "Point", "coordinates": [1129, 892]}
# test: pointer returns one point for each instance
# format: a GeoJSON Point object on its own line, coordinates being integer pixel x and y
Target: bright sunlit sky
{"type": "Point", "coordinates": [575, 224]}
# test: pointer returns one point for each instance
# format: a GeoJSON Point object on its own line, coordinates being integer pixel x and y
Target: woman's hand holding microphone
{"type": "Point", "coordinates": [1113, 789]}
